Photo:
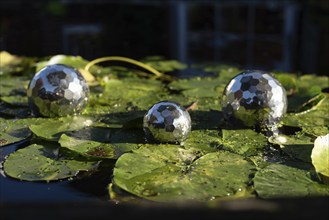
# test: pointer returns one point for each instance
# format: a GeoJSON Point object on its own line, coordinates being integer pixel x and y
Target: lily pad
{"type": "Point", "coordinates": [52, 128]}
{"type": "Point", "coordinates": [297, 146]}
{"type": "Point", "coordinates": [244, 142]}
{"type": "Point", "coordinates": [45, 163]}
{"type": "Point", "coordinates": [277, 180]}
{"type": "Point", "coordinates": [314, 121]}
{"type": "Point", "coordinates": [73, 61]}
{"type": "Point", "coordinates": [164, 65]}
{"type": "Point", "coordinates": [320, 155]}
{"type": "Point", "coordinates": [102, 143]}
{"type": "Point", "coordinates": [205, 140]}
{"type": "Point", "coordinates": [16, 100]}
{"type": "Point", "coordinates": [170, 173]}
{"type": "Point", "coordinates": [308, 86]}
{"type": "Point", "coordinates": [13, 85]}
{"type": "Point", "coordinates": [199, 87]}
{"type": "Point", "coordinates": [13, 130]}
{"type": "Point", "coordinates": [138, 93]}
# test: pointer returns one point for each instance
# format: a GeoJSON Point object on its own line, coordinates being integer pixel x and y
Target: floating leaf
{"type": "Point", "coordinates": [314, 121]}
{"type": "Point", "coordinates": [13, 86]}
{"type": "Point", "coordinates": [136, 92]}
{"type": "Point", "coordinates": [12, 131]}
{"type": "Point", "coordinates": [171, 173]}
{"type": "Point", "coordinates": [73, 61]}
{"type": "Point", "coordinates": [195, 82]}
{"type": "Point", "coordinates": [8, 59]}
{"type": "Point", "coordinates": [244, 142]}
{"type": "Point", "coordinates": [320, 155]}
{"type": "Point", "coordinates": [101, 142]}
{"type": "Point", "coordinates": [297, 146]}
{"type": "Point", "coordinates": [44, 163]}
{"type": "Point", "coordinates": [52, 128]}
{"type": "Point", "coordinates": [205, 140]}
{"type": "Point", "coordinates": [16, 100]}
{"type": "Point", "coordinates": [289, 82]}
{"type": "Point", "coordinates": [163, 65]}
{"type": "Point", "coordinates": [308, 86]}
{"type": "Point", "coordinates": [277, 180]}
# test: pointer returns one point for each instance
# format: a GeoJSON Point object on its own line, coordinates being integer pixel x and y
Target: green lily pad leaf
{"type": "Point", "coordinates": [297, 146]}
{"type": "Point", "coordinates": [163, 65]}
{"type": "Point", "coordinates": [52, 128]}
{"type": "Point", "coordinates": [170, 173]}
{"type": "Point", "coordinates": [73, 61]}
{"type": "Point", "coordinates": [102, 143]}
{"type": "Point", "coordinates": [308, 86]}
{"type": "Point", "coordinates": [8, 59]}
{"type": "Point", "coordinates": [13, 85]}
{"type": "Point", "coordinates": [205, 140]}
{"type": "Point", "coordinates": [44, 163]}
{"type": "Point", "coordinates": [244, 142]}
{"type": "Point", "coordinates": [288, 81]}
{"type": "Point", "coordinates": [13, 130]}
{"type": "Point", "coordinates": [314, 121]}
{"type": "Point", "coordinates": [88, 148]}
{"type": "Point", "coordinates": [11, 64]}
{"type": "Point", "coordinates": [120, 196]}
{"type": "Point", "coordinates": [16, 100]}
{"type": "Point", "coordinates": [320, 155]}
{"type": "Point", "coordinates": [201, 92]}
{"type": "Point", "coordinates": [195, 83]}
{"type": "Point", "coordinates": [138, 93]}
{"type": "Point", "coordinates": [277, 180]}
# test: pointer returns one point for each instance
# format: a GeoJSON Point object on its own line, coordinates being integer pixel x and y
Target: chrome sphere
{"type": "Point", "coordinates": [57, 90]}
{"type": "Point", "coordinates": [254, 98]}
{"type": "Point", "coordinates": [167, 122]}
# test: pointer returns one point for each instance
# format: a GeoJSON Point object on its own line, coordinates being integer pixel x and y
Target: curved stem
{"type": "Point", "coordinates": [123, 59]}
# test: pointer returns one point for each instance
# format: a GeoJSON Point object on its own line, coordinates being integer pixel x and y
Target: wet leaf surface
{"type": "Point", "coordinates": [45, 163]}
{"type": "Point", "coordinates": [169, 173]}
{"type": "Point", "coordinates": [320, 155]}
{"type": "Point", "coordinates": [101, 142]}
{"type": "Point", "coordinates": [14, 130]}
{"type": "Point", "coordinates": [245, 141]}
{"type": "Point", "coordinates": [277, 180]}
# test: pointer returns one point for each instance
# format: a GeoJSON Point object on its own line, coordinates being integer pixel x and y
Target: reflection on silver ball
{"type": "Point", "coordinates": [57, 90]}
{"type": "Point", "coordinates": [167, 122]}
{"type": "Point", "coordinates": [254, 98]}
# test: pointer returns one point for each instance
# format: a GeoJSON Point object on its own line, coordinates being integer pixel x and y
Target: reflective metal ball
{"type": "Point", "coordinates": [167, 122]}
{"type": "Point", "coordinates": [57, 90]}
{"type": "Point", "coordinates": [254, 98]}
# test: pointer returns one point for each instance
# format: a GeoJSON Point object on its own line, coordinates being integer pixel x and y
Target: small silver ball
{"type": "Point", "coordinates": [57, 90]}
{"type": "Point", "coordinates": [167, 122]}
{"type": "Point", "coordinates": [254, 98]}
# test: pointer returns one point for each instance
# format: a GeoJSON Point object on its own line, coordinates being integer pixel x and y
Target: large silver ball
{"type": "Point", "coordinates": [254, 98]}
{"type": "Point", "coordinates": [167, 122]}
{"type": "Point", "coordinates": [57, 90]}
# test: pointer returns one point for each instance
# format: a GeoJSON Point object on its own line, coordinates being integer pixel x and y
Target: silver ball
{"type": "Point", "coordinates": [167, 122]}
{"type": "Point", "coordinates": [57, 90]}
{"type": "Point", "coordinates": [254, 98]}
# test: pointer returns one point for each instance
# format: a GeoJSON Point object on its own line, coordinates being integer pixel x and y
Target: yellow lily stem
{"type": "Point", "coordinates": [123, 59]}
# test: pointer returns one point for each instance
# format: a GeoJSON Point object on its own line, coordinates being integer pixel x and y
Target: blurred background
{"type": "Point", "coordinates": [281, 35]}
